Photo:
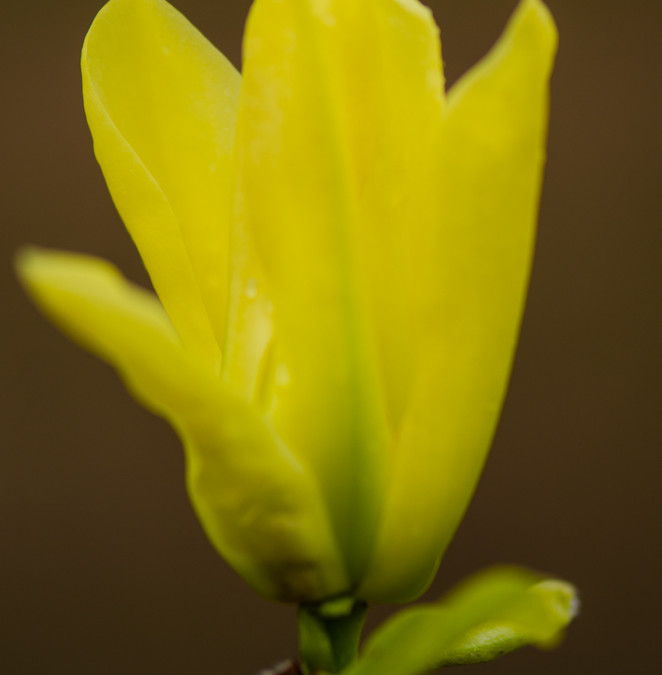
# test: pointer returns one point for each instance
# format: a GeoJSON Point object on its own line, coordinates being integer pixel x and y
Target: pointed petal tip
{"type": "Point", "coordinates": [27, 262]}
{"type": "Point", "coordinates": [416, 7]}
{"type": "Point", "coordinates": [533, 16]}
{"type": "Point", "coordinates": [36, 266]}
{"type": "Point", "coordinates": [23, 259]}
{"type": "Point", "coordinates": [34, 263]}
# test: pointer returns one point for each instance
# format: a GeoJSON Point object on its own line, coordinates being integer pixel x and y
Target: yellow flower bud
{"type": "Point", "coordinates": [340, 252]}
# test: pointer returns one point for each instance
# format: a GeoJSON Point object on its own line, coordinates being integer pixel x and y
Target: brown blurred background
{"type": "Point", "coordinates": [103, 566]}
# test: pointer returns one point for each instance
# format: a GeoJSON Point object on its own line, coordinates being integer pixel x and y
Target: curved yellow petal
{"type": "Point", "coordinates": [334, 96]}
{"type": "Point", "coordinates": [248, 348]}
{"type": "Point", "coordinates": [395, 118]}
{"type": "Point", "coordinates": [474, 269]}
{"type": "Point", "coordinates": [122, 323]}
{"type": "Point", "coordinates": [161, 103]}
{"type": "Point", "coordinates": [256, 502]}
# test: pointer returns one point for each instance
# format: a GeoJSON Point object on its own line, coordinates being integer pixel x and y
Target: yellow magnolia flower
{"type": "Point", "coordinates": [340, 252]}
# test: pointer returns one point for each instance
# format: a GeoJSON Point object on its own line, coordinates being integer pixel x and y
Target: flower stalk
{"type": "Point", "coordinates": [329, 634]}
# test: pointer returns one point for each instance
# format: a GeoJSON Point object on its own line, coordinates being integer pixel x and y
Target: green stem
{"type": "Point", "coordinates": [329, 634]}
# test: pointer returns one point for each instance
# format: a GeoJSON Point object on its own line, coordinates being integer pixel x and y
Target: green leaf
{"type": "Point", "coordinates": [492, 613]}
{"type": "Point", "coordinates": [537, 618]}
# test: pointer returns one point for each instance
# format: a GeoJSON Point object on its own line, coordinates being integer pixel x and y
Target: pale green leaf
{"type": "Point", "coordinates": [493, 612]}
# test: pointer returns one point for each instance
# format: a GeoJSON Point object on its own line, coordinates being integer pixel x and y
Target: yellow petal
{"type": "Point", "coordinates": [122, 323]}
{"type": "Point", "coordinates": [334, 96]}
{"type": "Point", "coordinates": [474, 271]}
{"type": "Point", "coordinates": [161, 103]}
{"type": "Point", "coordinates": [256, 502]}
{"type": "Point", "coordinates": [400, 102]}
{"type": "Point", "coordinates": [248, 348]}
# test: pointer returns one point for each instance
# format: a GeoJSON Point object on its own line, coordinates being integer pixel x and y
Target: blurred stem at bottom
{"type": "Point", "coordinates": [329, 634]}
